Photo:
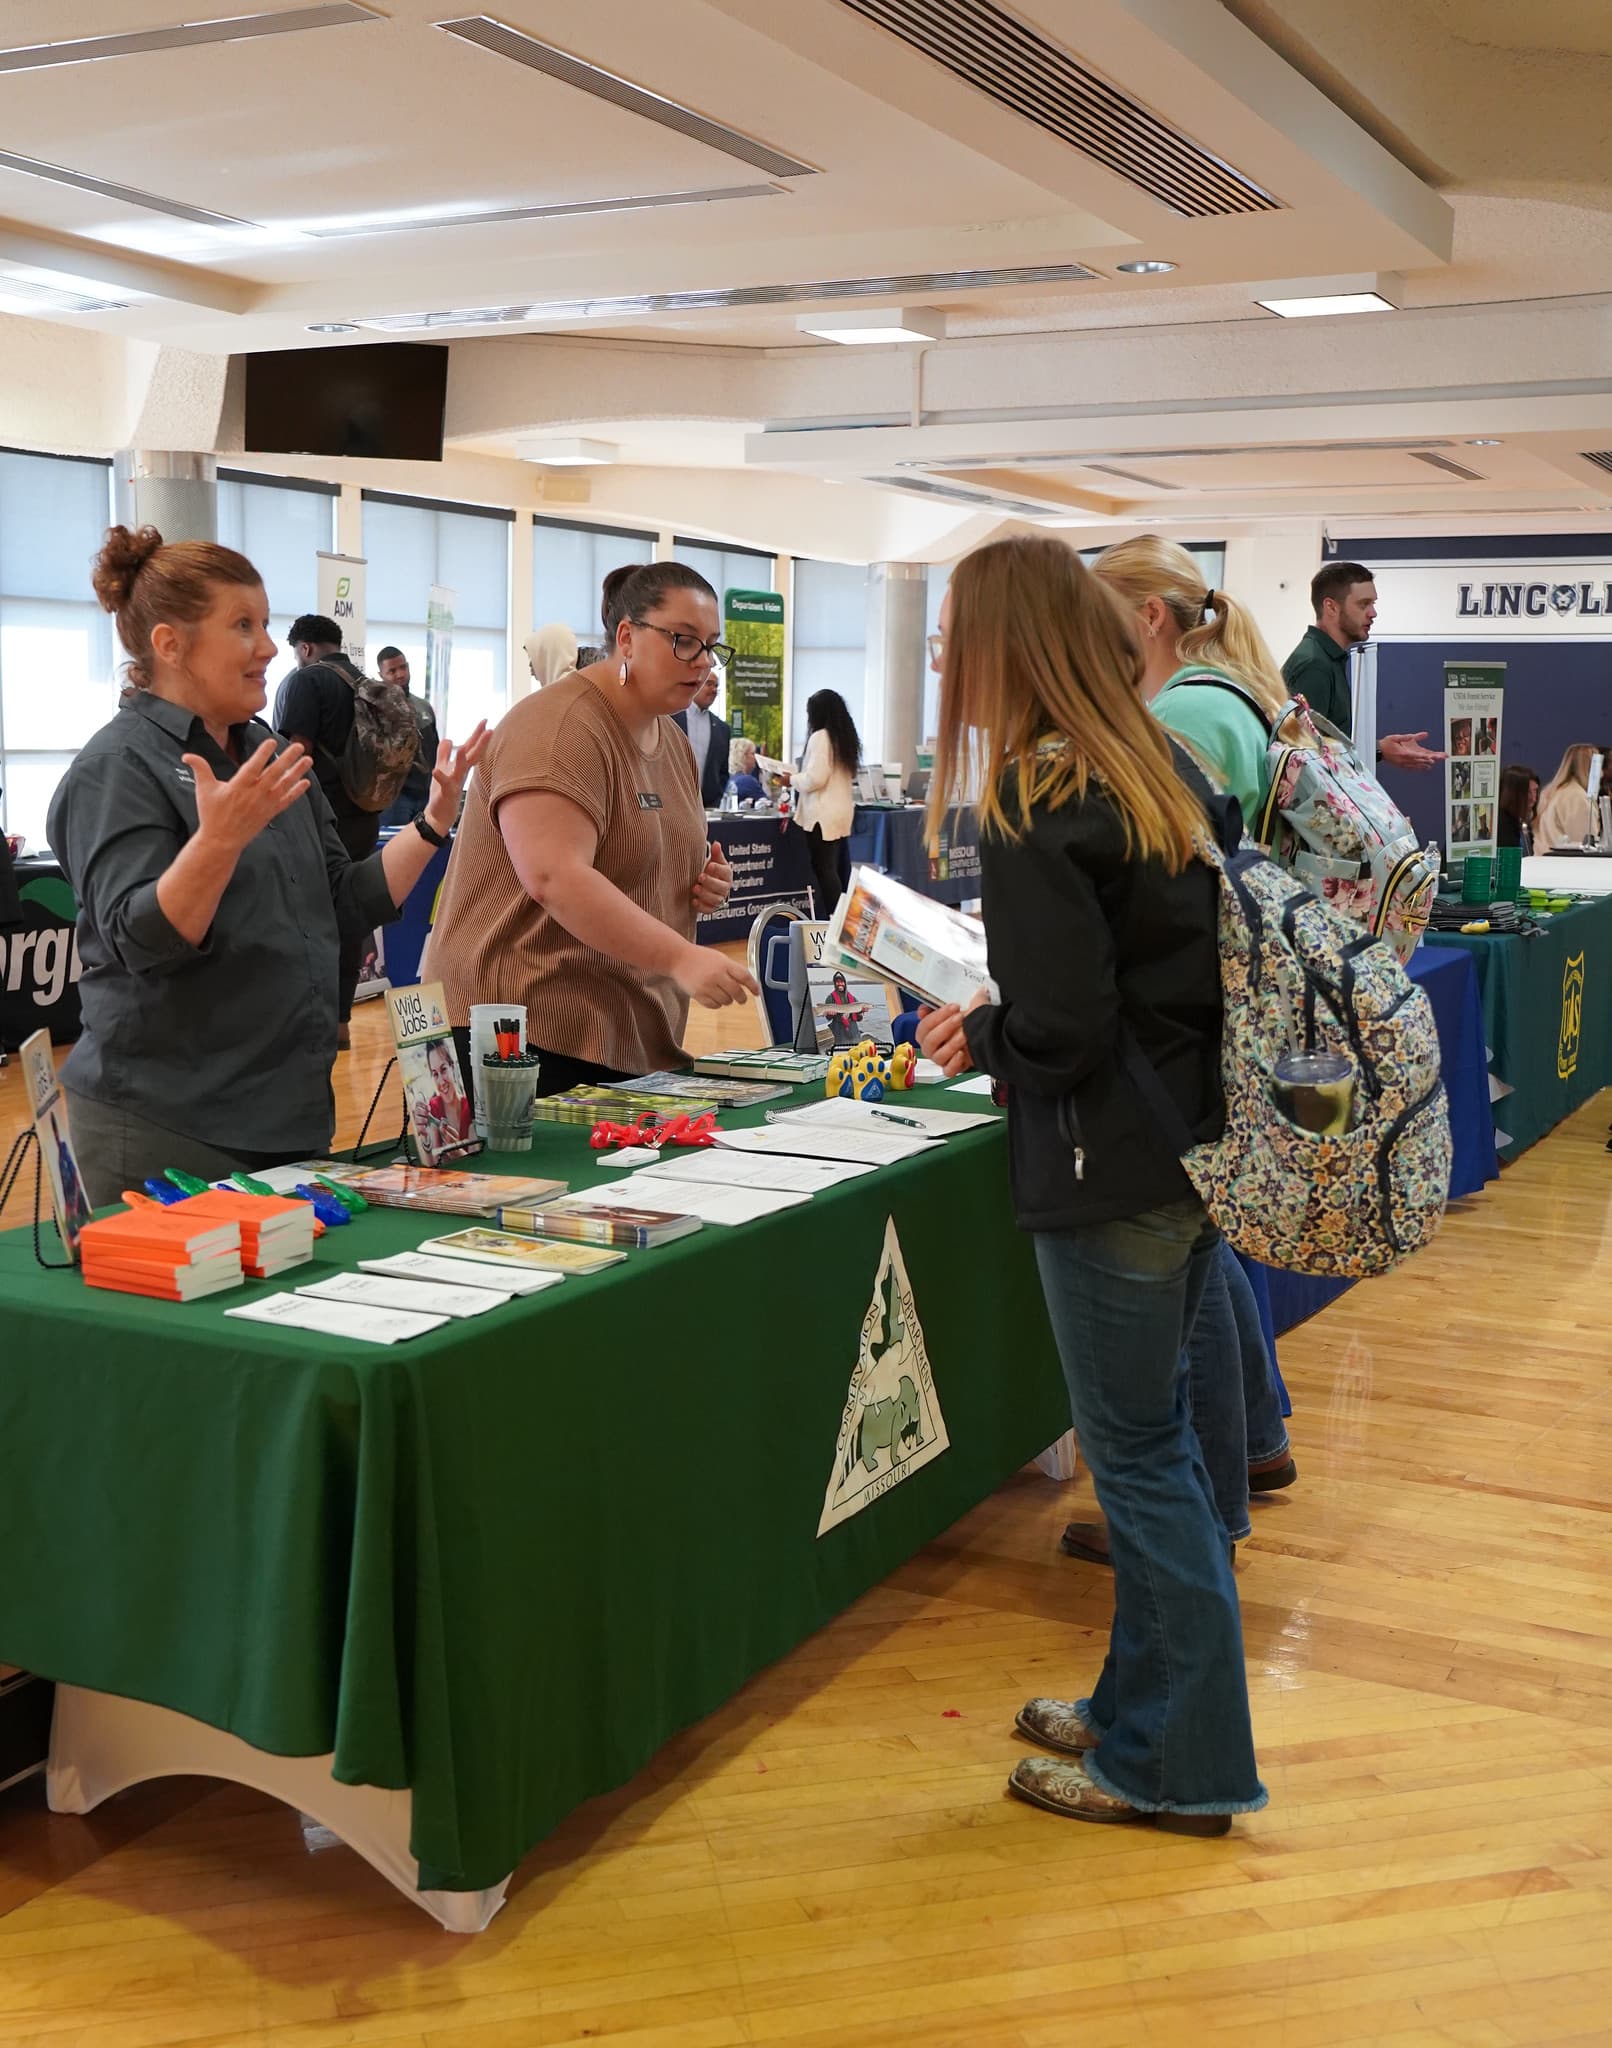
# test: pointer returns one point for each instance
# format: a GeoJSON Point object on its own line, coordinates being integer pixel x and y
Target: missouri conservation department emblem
{"type": "Point", "coordinates": [891, 1425]}
{"type": "Point", "coordinates": [1572, 1018]}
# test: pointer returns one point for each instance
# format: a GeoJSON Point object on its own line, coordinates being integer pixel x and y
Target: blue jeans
{"type": "Point", "coordinates": [1171, 1705]}
{"type": "Point", "coordinates": [1216, 1369]}
{"type": "Point", "coordinates": [1262, 1405]}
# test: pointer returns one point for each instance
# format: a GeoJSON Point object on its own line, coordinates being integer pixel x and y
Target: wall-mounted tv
{"type": "Point", "coordinates": [384, 400]}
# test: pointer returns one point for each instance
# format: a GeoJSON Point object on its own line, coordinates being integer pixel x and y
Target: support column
{"type": "Point", "coordinates": [176, 493]}
{"type": "Point", "coordinates": [893, 696]}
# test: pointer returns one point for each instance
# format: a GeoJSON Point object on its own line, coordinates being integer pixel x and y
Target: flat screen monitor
{"type": "Point", "coordinates": [385, 400]}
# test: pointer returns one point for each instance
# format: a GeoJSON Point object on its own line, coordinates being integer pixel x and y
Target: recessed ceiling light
{"type": "Point", "coordinates": [1326, 304]}
{"type": "Point", "coordinates": [568, 454]}
{"type": "Point", "coordinates": [1150, 268]}
{"type": "Point", "coordinates": [186, 35]}
{"type": "Point", "coordinates": [332, 327]}
{"type": "Point", "coordinates": [1484, 442]}
{"type": "Point", "coordinates": [873, 328]}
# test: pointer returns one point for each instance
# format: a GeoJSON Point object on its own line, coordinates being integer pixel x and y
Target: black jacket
{"type": "Point", "coordinates": [1089, 948]}
{"type": "Point", "coordinates": [715, 778]}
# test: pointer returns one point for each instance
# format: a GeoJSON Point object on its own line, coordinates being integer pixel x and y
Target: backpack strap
{"type": "Point", "coordinates": [1212, 679]}
{"type": "Point", "coordinates": [1160, 1102]}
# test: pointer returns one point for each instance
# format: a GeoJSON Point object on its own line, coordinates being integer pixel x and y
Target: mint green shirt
{"type": "Point", "coordinates": [1224, 731]}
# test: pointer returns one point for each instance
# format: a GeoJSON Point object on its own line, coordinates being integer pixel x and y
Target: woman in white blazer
{"type": "Point", "coordinates": [825, 795]}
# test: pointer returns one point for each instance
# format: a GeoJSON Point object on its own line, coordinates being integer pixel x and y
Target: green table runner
{"type": "Point", "coordinates": [1547, 1017]}
{"type": "Point", "coordinates": [501, 1564]}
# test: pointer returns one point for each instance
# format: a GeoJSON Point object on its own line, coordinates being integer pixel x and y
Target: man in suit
{"type": "Point", "coordinates": [710, 738]}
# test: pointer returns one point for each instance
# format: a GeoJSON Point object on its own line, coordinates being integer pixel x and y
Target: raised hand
{"type": "Point", "coordinates": [715, 885]}
{"type": "Point", "coordinates": [230, 815]}
{"type": "Point", "coordinates": [449, 776]}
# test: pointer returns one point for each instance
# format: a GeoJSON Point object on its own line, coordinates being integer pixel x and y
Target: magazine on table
{"type": "Point", "coordinates": [937, 952]}
{"type": "Point", "coordinates": [435, 1190]}
{"type": "Point", "coordinates": [701, 1089]}
{"type": "Point", "coordinates": [438, 1112]}
{"type": "Point", "coordinates": [522, 1254]}
{"type": "Point", "coordinates": [774, 1063]}
{"type": "Point", "coordinates": [47, 1106]}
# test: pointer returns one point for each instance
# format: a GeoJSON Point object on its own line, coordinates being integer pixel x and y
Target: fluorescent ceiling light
{"type": "Point", "coordinates": [568, 454]}
{"type": "Point", "coordinates": [501, 40]}
{"type": "Point", "coordinates": [1327, 304]}
{"type": "Point", "coordinates": [895, 324]}
{"type": "Point", "coordinates": [185, 35]}
{"type": "Point", "coordinates": [408, 223]}
{"type": "Point", "coordinates": [104, 188]}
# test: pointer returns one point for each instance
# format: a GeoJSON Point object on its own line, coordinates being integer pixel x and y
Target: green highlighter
{"type": "Point", "coordinates": [350, 1199]}
{"type": "Point", "coordinates": [248, 1186]}
{"type": "Point", "coordinates": [187, 1182]}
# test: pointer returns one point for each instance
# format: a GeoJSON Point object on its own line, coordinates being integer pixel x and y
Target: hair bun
{"type": "Point", "coordinates": [123, 555]}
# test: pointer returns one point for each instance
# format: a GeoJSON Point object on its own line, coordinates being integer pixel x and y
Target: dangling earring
{"type": "Point", "coordinates": [622, 678]}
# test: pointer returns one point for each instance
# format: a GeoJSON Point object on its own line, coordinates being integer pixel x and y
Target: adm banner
{"type": "Point", "coordinates": [342, 598]}
{"type": "Point", "coordinates": [1566, 599]}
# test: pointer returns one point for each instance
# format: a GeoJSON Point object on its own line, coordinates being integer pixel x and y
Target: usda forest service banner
{"type": "Point", "coordinates": [1474, 693]}
{"type": "Point", "coordinates": [753, 626]}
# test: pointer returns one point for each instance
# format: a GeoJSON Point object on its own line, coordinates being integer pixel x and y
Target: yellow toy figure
{"type": "Point", "coordinates": [865, 1071]}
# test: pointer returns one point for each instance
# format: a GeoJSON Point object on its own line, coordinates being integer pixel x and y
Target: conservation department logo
{"type": "Point", "coordinates": [892, 1424]}
{"type": "Point", "coordinates": [1572, 1018]}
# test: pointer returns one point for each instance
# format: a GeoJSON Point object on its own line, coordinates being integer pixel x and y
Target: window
{"type": "Point", "coordinates": [569, 566]}
{"type": "Point", "coordinates": [410, 544]}
{"type": "Point", "coordinates": [280, 528]}
{"type": "Point", "coordinates": [58, 658]}
{"type": "Point", "coordinates": [1210, 557]}
{"type": "Point", "coordinates": [726, 569]}
{"type": "Point", "coordinates": [830, 638]}
{"type": "Point", "coordinates": [940, 577]}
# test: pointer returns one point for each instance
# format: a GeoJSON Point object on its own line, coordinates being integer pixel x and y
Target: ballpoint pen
{"type": "Point", "coordinates": [889, 1117]}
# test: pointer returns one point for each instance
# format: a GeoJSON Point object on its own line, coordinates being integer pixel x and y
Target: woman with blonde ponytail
{"type": "Point", "coordinates": [1195, 641]}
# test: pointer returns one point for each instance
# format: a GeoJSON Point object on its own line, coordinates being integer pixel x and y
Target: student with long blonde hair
{"type": "Point", "coordinates": [1102, 925]}
{"type": "Point", "coordinates": [1566, 815]}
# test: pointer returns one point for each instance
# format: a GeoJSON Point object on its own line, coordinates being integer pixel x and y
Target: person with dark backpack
{"type": "Point", "coordinates": [363, 741]}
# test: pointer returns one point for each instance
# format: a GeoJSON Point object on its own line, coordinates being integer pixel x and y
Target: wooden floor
{"type": "Point", "coordinates": [831, 1858]}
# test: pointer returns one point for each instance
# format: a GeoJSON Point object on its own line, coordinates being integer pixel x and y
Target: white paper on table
{"type": "Point", "coordinates": [425, 1297]}
{"type": "Point", "coordinates": [818, 1141]}
{"type": "Point", "coordinates": [339, 1318]}
{"type": "Point", "coordinates": [719, 1168]}
{"type": "Point", "coordinates": [842, 1113]}
{"type": "Point", "coordinates": [507, 1282]}
{"type": "Point", "coordinates": [461, 1272]}
{"type": "Point", "coordinates": [927, 1074]}
{"type": "Point", "coordinates": [727, 1206]}
{"type": "Point", "coordinates": [630, 1155]}
{"type": "Point", "coordinates": [976, 1084]}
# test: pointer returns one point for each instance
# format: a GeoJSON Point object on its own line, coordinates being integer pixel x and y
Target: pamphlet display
{"type": "Point", "coordinates": [47, 1105]}
{"type": "Point", "coordinates": [1474, 694]}
{"type": "Point", "coordinates": [439, 1116]}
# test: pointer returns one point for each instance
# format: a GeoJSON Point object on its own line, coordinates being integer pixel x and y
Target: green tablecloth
{"type": "Point", "coordinates": [500, 1564]}
{"type": "Point", "coordinates": [1547, 1015]}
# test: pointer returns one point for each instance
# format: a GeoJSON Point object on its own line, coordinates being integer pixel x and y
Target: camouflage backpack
{"type": "Point", "coordinates": [383, 745]}
{"type": "Point", "coordinates": [1296, 975]}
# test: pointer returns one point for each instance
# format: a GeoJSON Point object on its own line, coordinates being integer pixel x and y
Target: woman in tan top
{"type": "Point", "coordinates": [581, 861]}
{"type": "Point", "coordinates": [1566, 817]}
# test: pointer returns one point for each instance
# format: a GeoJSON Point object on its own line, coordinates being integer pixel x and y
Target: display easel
{"type": "Point", "coordinates": [11, 1173]}
{"type": "Point", "coordinates": [401, 1142]}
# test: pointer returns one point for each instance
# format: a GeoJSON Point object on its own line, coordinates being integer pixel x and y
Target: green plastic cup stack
{"type": "Point", "coordinates": [1477, 878]}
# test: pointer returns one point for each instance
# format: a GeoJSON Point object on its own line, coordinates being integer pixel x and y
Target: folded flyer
{"type": "Point", "coordinates": [937, 952]}
{"type": "Point", "coordinates": [523, 1254]}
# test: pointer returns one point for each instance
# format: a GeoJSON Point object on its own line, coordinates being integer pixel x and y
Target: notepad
{"type": "Point", "coordinates": [726, 1206]}
{"type": "Point", "coordinates": [720, 1167]}
{"type": "Point", "coordinates": [808, 1141]}
{"type": "Point", "coordinates": [895, 1114]}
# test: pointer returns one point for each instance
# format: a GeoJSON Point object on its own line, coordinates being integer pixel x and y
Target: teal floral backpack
{"type": "Point", "coordinates": [1299, 976]}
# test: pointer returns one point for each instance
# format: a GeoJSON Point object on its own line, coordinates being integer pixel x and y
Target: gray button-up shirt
{"type": "Point", "coordinates": [230, 1041]}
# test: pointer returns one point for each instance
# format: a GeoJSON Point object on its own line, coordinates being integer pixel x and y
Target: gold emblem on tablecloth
{"type": "Point", "coordinates": [891, 1424]}
{"type": "Point", "coordinates": [1572, 1017]}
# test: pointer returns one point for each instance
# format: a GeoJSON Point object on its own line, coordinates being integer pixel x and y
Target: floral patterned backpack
{"type": "Point", "coordinates": [1329, 819]}
{"type": "Point", "coordinates": [1297, 976]}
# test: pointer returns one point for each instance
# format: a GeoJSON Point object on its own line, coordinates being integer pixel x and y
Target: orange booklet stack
{"type": "Point", "coordinates": [163, 1253]}
{"type": "Point", "coordinates": [276, 1232]}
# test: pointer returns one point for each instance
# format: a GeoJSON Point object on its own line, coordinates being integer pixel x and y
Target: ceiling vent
{"type": "Point", "coordinates": [719, 300]}
{"type": "Point", "coordinates": [1021, 69]}
{"type": "Point", "coordinates": [1601, 457]}
{"type": "Point", "coordinates": [510, 43]}
{"type": "Point", "coordinates": [979, 501]}
{"type": "Point", "coordinates": [24, 293]}
{"type": "Point", "coordinates": [1132, 476]}
{"type": "Point", "coordinates": [1467, 476]}
{"type": "Point", "coordinates": [185, 35]}
{"type": "Point", "coordinates": [126, 195]}
{"type": "Point", "coordinates": [502, 216]}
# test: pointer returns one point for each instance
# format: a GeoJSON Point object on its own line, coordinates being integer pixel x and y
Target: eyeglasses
{"type": "Point", "coordinates": [689, 646]}
{"type": "Point", "coordinates": [937, 648]}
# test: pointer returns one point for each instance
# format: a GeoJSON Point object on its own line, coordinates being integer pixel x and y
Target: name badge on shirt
{"type": "Point", "coordinates": [648, 800]}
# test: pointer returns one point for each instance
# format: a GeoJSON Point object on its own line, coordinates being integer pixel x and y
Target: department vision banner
{"type": "Point", "coordinates": [439, 650]}
{"type": "Point", "coordinates": [1474, 694]}
{"type": "Point", "coordinates": [753, 625]}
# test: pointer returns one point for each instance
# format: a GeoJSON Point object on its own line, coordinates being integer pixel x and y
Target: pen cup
{"type": "Point", "coordinates": [483, 1040]}
{"type": "Point", "coordinates": [1315, 1090]}
{"type": "Point", "coordinates": [509, 1093]}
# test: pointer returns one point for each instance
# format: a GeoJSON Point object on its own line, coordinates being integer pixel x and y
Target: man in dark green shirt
{"type": "Point", "coordinates": [1343, 597]}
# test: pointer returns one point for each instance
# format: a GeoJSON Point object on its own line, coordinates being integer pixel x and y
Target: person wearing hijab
{"type": "Point", "coordinates": [551, 652]}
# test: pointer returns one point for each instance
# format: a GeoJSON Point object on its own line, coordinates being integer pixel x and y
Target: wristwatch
{"type": "Point", "coordinates": [427, 830]}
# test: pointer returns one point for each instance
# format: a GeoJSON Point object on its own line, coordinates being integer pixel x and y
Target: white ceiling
{"type": "Point", "coordinates": [1459, 147]}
